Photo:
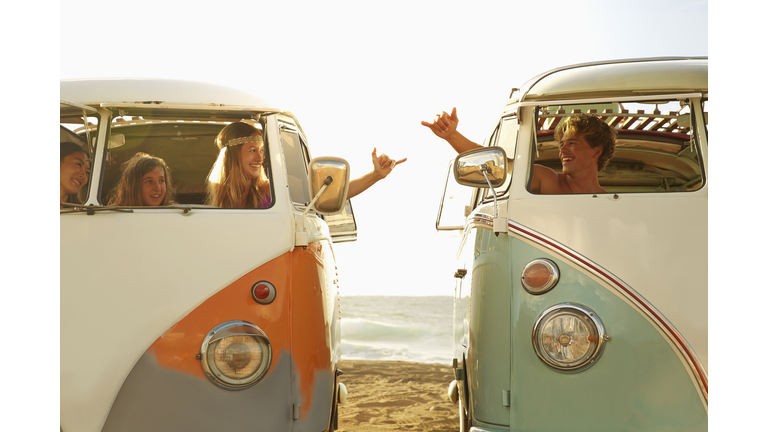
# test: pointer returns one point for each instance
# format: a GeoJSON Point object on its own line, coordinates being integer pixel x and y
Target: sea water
{"type": "Point", "coordinates": [416, 329]}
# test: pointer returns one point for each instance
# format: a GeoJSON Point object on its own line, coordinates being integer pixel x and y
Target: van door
{"type": "Point", "coordinates": [489, 330]}
{"type": "Point", "coordinates": [315, 334]}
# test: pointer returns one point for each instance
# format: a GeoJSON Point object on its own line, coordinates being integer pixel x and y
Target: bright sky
{"type": "Point", "coordinates": [360, 75]}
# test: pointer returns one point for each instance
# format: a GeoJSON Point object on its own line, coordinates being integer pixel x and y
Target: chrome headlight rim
{"type": "Point", "coordinates": [233, 329]}
{"type": "Point", "coordinates": [554, 272]}
{"type": "Point", "coordinates": [594, 325]}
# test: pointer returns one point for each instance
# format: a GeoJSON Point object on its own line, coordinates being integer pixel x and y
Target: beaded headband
{"type": "Point", "coordinates": [243, 140]}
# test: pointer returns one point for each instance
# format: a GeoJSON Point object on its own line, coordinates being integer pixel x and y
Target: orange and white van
{"type": "Point", "coordinates": [191, 317]}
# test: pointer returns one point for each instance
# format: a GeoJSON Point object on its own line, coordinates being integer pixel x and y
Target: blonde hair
{"type": "Point", "coordinates": [227, 184]}
{"type": "Point", "coordinates": [128, 189]}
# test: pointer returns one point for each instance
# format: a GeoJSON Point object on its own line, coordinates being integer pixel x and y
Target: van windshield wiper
{"type": "Point", "coordinates": [79, 208]}
{"type": "Point", "coordinates": [186, 209]}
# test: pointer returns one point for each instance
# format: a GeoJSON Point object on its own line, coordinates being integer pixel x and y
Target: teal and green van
{"type": "Point", "coordinates": [585, 312]}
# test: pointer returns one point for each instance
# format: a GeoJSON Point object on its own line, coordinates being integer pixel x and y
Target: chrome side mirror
{"type": "Point", "coordinates": [329, 181]}
{"type": "Point", "coordinates": [484, 167]}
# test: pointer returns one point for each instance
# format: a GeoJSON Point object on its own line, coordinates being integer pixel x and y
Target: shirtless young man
{"type": "Point", "coordinates": [586, 146]}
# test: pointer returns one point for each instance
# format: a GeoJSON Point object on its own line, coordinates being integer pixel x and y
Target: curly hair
{"type": "Point", "coordinates": [227, 184]}
{"type": "Point", "coordinates": [595, 131]}
{"type": "Point", "coordinates": [128, 189]}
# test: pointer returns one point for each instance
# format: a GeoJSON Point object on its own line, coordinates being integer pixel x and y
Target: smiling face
{"type": "Point", "coordinates": [252, 157]}
{"type": "Point", "coordinates": [576, 155]}
{"type": "Point", "coordinates": [153, 187]}
{"type": "Point", "coordinates": [75, 169]}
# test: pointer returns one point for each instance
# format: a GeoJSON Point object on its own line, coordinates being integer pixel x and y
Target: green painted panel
{"type": "Point", "coordinates": [489, 355]}
{"type": "Point", "coordinates": [639, 383]}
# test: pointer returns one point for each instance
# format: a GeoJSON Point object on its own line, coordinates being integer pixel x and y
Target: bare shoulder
{"type": "Point", "coordinates": [544, 180]}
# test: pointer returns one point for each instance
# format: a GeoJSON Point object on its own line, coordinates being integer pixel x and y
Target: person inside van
{"type": "Point", "coordinates": [74, 170]}
{"type": "Point", "coordinates": [238, 178]}
{"type": "Point", "coordinates": [586, 145]}
{"type": "Point", "coordinates": [144, 181]}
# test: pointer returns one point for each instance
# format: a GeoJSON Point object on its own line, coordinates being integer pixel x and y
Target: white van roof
{"type": "Point", "coordinates": [619, 78]}
{"type": "Point", "coordinates": [157, 92]}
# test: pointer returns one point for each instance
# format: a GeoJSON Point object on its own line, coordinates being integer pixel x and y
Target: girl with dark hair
{"type": "Point", "coordinates": [74, 170]}
{"type": "Point", "coordinates": [145, 181]}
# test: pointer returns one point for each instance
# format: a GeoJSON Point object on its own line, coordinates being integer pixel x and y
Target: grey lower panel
{"type": "Point", "coordinates": [154, 398]}
{"type": "Point", "coordinates": [318, 418]}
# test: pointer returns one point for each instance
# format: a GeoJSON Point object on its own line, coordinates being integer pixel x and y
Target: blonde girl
{"type": "Point", "coordinates": [238, 178]}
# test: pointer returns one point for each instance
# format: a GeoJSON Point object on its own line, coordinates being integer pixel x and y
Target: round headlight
{"type": "Point", "coordinates": [540, 276]}
{"type": "Point", "coordinates": [568, 337]}
{"type": "Point", "coordinates": [236, 355]}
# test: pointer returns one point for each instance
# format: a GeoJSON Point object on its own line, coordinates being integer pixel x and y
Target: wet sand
{"type": "Point", "coordinates": [397, 396]}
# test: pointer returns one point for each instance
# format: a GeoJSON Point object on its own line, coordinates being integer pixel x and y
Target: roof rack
{"type": "Point", "coordinates": [672, 122]}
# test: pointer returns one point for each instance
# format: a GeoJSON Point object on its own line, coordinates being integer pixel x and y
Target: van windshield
{"type": "Point", "coordinates": [185, 143]}
{"type": "Point", "coordinates": [186, 147]}
{"type": "Point", "coordinates": [656, 150]}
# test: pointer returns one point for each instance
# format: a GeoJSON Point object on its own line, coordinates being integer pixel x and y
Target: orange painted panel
{"type": "Point", "coordinates": [176, 349]}
{"type": "Point", "coordinates": [302, 287]}
{"type": "Point", "coordinates": [311, 324]}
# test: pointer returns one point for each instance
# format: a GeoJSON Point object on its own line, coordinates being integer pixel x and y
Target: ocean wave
{"type": "Point", "coordinates": [417, 329]}
{"type": "Point", "coordinates": [363, 351]}
{"type": "Point", "coordinates": [360, 329]}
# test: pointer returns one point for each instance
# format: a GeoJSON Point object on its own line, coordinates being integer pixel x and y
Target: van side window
{"type": "Point", "coordinates": [77, 128]}
{"type": "Point", "coordinates": [296, 160]}
{"type": "Point", "coordinates": [507, 139]}
{"type": "Point", "coordinates": [656, 150]}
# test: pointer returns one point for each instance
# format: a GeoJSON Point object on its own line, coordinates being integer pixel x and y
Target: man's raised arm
{"type": "Point", "coordinates": [444, 126]}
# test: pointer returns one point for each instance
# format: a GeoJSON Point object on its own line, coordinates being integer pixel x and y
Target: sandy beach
{"type": "Point", "coordinates": [397, 396]}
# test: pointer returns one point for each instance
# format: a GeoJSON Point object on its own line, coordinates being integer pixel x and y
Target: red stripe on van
{"type": "Point", "coordinates": [680, 342]}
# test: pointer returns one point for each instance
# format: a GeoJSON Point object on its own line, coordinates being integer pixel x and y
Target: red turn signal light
{"type": "Point", "coordinates": [540, 276]}
{"type": "Point", "coordinates": [263, 292]}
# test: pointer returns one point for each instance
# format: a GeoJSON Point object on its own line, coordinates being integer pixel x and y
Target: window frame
{"type": "Point", "coordinates": [285, 126]}
{"type": "Point", "coordinates": [484, 194]}
{"type": "Point", "coordinates": [686, 99]}
{"type": "Point", "coordinates": [93, 141]}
